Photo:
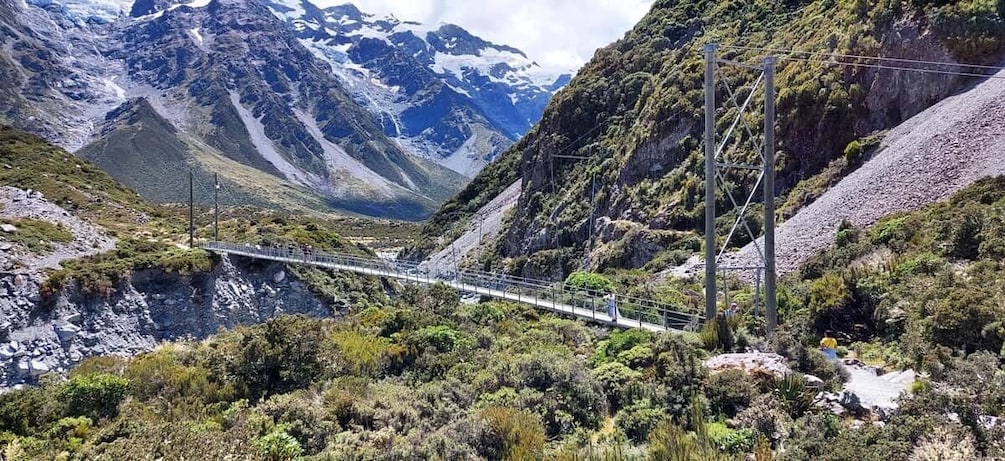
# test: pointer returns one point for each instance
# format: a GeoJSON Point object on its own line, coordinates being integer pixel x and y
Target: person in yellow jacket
{"type": "Point", "coordinates": [828, 345]}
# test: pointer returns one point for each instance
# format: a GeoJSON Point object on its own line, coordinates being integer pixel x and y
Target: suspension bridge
{"type": "Point", "coordinates": [557, 297]}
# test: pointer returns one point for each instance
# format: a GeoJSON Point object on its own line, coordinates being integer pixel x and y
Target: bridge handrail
{"type": "Point", "coordinates": [664, 314]}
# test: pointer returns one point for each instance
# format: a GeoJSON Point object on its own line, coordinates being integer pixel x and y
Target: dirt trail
{"type": "Point", "coordinates": [925, 159]}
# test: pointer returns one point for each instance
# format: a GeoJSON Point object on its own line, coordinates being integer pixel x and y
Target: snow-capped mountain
{"type": "Point", "coordinates": [287, 114]}
{"type": "Point", "coordinates": [438, 90]}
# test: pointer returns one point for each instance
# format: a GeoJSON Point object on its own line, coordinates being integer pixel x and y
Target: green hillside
{"type": "Point", "coordinates": [636, 110]}
{"type": "Point", "coordinates": [935, 276]}
{"type": "Point", "coordinates": [420, 375]}
{"type": "Point", "coordinates": [29, 162]}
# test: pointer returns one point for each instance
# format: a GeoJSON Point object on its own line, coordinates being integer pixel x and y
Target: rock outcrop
{"type": "Point", "coordinates": [151, 306]}
{"type": "Point", "coordinates": [41, 334]}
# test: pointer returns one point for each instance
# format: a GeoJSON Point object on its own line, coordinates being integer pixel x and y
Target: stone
{"type": "Point", "coordinates": [8, 228]}
{"type": "Point", "coordinates": [23, 368]}
{"type": "Point", "coordinates": [4, 246]}
{"type": "Point", "coordinates": [6, 353]}
{"type": "Point", "coordinates": [38, 368]}
{"type": "Point", "coordinates": [750, 363]}
{"type": "Point", "coordinates": [852, 403]}
{"type": "Point", "coordinates": [66, 332]}
{"type": "Point", "coordinates": [279, 277]}
{"type": "Point", "coordinates": [73, 318]}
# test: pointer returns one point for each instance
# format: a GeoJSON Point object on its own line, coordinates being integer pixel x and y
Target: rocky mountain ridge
{"type": "Point", "coordinates": [438, 89]}
{"type": "Point", "coordinates": [229, 87]}
{"type": "Point", "coordinates": [634, 113]}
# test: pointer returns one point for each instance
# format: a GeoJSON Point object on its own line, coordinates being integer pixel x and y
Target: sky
{"type": "Point", "coordinates": [560, 35]}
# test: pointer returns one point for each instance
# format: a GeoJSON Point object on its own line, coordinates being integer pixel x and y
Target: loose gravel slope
{"type": "Point", "coordinates": [924, 160]}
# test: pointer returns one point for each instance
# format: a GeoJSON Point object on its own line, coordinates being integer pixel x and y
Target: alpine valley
{"type": "Point", "coordinates": [294, 106]}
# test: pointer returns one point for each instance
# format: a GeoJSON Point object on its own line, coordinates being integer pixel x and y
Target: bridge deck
{"type": "Point", "coordinates": [541, 297]}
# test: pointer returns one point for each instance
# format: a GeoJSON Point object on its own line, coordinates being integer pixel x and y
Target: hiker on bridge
{"type": "Point", "coordinates": [612, 306]}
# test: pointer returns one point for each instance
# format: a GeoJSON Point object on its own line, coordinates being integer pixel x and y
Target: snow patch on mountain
{"type": "Point", "coordinates": [80, 12]}
{"type": "Point", "coordinates": [397, 69]}
{"type": "Point", "coordinates": [112, 87]}
{"type": "Point", "coordinates": [193, 4]}
{"type": "Point", "coordinates": [198, 38]}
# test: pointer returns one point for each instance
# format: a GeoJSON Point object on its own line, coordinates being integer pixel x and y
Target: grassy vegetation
{"type": "Point", "coordinates": [424, 377]}
{"type": "Point", "coordinates": [636, 112]}
{"type": "Point", "coordinates": [37, 236]}
{"type": "Point", "coordinates": [100, 274]}
{"type": "Point", "coordinates": [28, 162]}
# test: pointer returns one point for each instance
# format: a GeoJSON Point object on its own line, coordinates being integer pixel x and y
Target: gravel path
{"type": "Point", "coordinates": [87, 239]}
{"type": "Point", "coordinates": [926, 159]}
{"type": "Point", "coordinates": [877, 391]}
{"type": "Point", "coordinates": [486, 223]}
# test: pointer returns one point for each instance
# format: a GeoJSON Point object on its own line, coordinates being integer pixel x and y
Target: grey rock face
{"type": "Point", "coordinates": [229, 76]}
{"type": "Point", "coordinates": [145, 310]}
{"type": "Point", "coordinates": [449, 95]}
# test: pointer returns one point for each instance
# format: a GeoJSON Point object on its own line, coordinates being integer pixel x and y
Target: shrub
{"type": "Point", "coordinates": [278, 356]}
{"type": "Point", "coordinates": [27, 411]}
{"type": "Point", "coordinates": [638, 419]}
{"type": "Point", "coordinates": [277, 445]}
{"type": "Point", "coordinates": [518, 434]}
{"type": "Point", "coordinates": [95, 396]}
{"type": "Point", "coordinates": [717, 335]}
{"type": "Point", "coordinates": [442, 338]}
{"type": "Point", "coordinates": [72, 431]}
{"type": "Point", "coordinates": [731, 441]}
{"type": "Point", "coordinates": [618, 342]}
{"type": "Point", "coordinates": [312, 425]}
{"type": "Point", "coordinates": [159, 376]}
{"type": "Point", "coordinates": [729, 392]}
{"type": "Point", "coordinates": [766, 415]}
{"type": "Point", "coordinates": [828, 293]}
{"type": "Point", "coordinates": [590, 281]}
{"type": "Point", "coordinates": [618, 382]}
{"type": "Point", "coordinates": [946, 444]}
{"type": "Point", "coordinates": [357, 353]}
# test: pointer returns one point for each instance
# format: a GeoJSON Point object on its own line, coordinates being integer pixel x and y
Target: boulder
{"type": "Point", "coordinates": [23, 368]}
{"type": "Point", "coordinates": [279, 277]}
{"type": "Point", "coordinates": [6, 353]}
{"type": "Point", "coordinates": [8, 228]}
{"type": "Point", "coordinates": [831, 402]}
{"type": "Point", "coordinates": [73, 318]}
{"type": "Point", "coordinates": [39, 368]}
{"type": "Point", "coordinates": [749, 362]}
{"type": "Point", "coordinates": [66, 332]}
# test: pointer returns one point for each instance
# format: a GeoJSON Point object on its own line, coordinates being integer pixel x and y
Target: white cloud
{"type": "Point", "coordinates": [560, 35]}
